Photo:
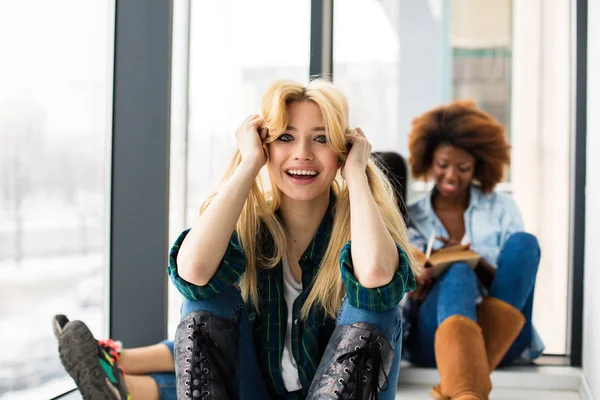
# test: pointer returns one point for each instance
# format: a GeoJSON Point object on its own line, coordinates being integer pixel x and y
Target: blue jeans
{"type": "Point", "coordinates": [167, 385]}
{"type": "Point", "coordinates": [390, 322]}
{"type": "Point", "coordinates": [230, 305]}
{"type": "Point", "coordinates": [457, 291]}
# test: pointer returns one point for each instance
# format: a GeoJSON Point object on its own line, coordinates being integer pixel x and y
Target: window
{"type": "Point", "coordinates": [406, 57]}
{"type": "Point", "coordinates": [367, 68]}
{"type": "Point", "coordinates": [54, 132]}
{"type": "Point", "coordinates": [481, 43]}
{"type": "Point", "coordinates": [236, 48]}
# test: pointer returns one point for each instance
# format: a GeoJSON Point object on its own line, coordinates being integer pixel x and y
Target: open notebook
{"type": "Point", "coordinates": [440, 259]}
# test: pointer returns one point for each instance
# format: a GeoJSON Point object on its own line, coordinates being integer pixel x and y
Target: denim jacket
{"type": "Point", "coordinates": [490, 219]}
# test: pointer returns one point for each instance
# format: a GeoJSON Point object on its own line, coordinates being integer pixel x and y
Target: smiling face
{"type": "Point", "coordinates": [452, 170]}
{"type": "Point", "coordinates": [301, 163]}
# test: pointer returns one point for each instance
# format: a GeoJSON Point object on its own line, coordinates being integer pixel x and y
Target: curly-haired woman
{"type": "Point", "coordinates": [468, 321]}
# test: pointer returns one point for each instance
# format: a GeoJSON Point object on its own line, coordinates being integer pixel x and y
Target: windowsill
{"type": "Point", "coordinates": [550, 373]}
{"type": "Point", "coordinates": [527, 377]}
{"type": "Point", "coordinates": [553, 360]}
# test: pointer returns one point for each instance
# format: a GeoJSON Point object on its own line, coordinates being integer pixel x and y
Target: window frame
{"type": "Point", "coordinates": [139, 192]}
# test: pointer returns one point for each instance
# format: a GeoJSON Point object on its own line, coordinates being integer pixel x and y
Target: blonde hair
{"type": "Point", "coordinates": [264, 249]}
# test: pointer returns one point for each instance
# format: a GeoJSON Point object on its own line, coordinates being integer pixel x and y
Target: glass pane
{"type": "Point", "coordinates": [394, 67]}
{"type": "Point", "coordinates": [481, 42]}
{"type": "Point", "coordinates": [237, 47]}
{"type": "Point", "coordinates": [487, 69]}
{"type": "Point", "coordinates": [541, 96]}
{"type": "Point", "coordinates": [367, 65]}
{"type": "Point", "coordinates": [483, 74]}
{"type": "Point", "coordinates": [406, 57]}
{"type": "Point", "coordinates": [54, 134]}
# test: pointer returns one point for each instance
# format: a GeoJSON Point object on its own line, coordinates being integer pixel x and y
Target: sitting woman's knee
{"type": "Point", "coordinates": [524, 243]}
{"type": "Point", "coordinates": [460, 271]}
{"type": "Point", "coordinates": [523, 239]}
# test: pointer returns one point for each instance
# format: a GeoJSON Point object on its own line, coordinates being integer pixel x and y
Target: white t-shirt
{"type": "Point", "coordinates": [291, 290]}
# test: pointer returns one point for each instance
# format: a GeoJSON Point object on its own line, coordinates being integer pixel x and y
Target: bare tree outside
{"type": "Point", "coordinates": [54, 130]}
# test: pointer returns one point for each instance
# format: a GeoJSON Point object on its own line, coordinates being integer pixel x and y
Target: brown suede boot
{"type": "Point", "coordinates": [436, 394]}
{"type": "Point", "coordinates": [461, 360]}
{"type": "Point", "coordinates": [500, 323]}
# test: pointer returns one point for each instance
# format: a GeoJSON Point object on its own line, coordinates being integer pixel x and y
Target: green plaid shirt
{"type": "Point", "coordinates": [309, 337]}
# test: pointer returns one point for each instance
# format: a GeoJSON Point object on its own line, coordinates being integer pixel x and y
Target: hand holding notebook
{"type": "Point", "coordinates": [436, 262]}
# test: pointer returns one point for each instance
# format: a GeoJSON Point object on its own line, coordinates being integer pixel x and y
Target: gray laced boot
{"type": "Point", "coordinates": [355, 364]}
{"type": "Point", "coordinates": [206, 357]}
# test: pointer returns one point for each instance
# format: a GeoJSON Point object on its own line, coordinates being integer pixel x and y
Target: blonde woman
{"type": "Point", "coordinates": [278, 303]}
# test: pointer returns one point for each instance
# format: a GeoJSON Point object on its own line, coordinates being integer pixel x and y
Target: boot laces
{"type": "Point", "coordinates": [353, 387]}
{"type": "Point", "coordinates": [201, 342]}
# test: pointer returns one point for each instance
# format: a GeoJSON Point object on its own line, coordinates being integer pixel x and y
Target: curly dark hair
{"type": "Point", "coordinates": [463, 125]}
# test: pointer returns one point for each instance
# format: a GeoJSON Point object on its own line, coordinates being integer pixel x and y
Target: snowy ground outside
{"type": "Point", "coordinates": [30, 294]}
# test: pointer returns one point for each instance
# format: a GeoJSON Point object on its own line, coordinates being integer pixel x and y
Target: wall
{"type": "Point", "coordinates": [591, 317]}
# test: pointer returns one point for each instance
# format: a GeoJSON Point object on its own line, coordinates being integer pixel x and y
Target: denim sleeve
{"type": "Point", "coordinates": [231, 269]}
{"type": "Point", "coordinates": [377, 299]}
{"type": "Point", "coordinates": [416, 239]}
{"type": "Point", "coordinates": [511, 220]}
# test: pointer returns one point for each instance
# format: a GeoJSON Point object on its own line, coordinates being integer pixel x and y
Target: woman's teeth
{"type": "Point", "coordinates": [301, 172]}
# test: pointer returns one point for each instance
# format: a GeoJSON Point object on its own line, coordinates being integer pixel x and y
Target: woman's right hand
{"type": "Point", "coordinates": [424, 285]}
{"type": "Point", "coordinates": [250, 136]}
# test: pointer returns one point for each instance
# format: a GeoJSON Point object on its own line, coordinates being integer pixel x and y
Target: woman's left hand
{"type": "Point", "coordinates": [449, 243]}
{"type": "Point", "coordinates": [360, 151]}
